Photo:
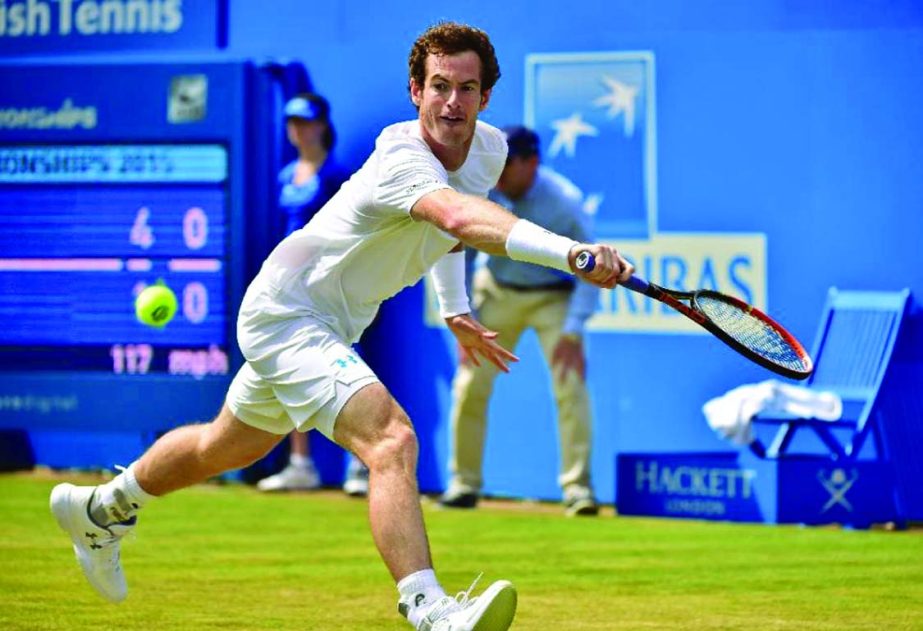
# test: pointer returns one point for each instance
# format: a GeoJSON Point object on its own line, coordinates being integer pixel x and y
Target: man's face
{"type": "Point", "coordinates": [517, 176]}
{"type": "Point", "coordinates": [450, 99]}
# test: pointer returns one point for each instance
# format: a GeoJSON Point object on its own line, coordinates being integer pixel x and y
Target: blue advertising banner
{"type": "Point", "coordinates": [29, 27]}
{"type": "Point", "coordinates": [740, 487]}
{"type": "Point", "coordinates": [701, 486]}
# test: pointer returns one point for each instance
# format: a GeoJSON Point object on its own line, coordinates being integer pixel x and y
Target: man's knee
{"type": "Point", "coordinates": [375, 427]}
{"type": "Point", "coordinates": [396, 444]}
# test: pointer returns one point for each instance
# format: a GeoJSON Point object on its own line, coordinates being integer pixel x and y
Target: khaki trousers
{"type": "Point", "coordinates": [510, 313]}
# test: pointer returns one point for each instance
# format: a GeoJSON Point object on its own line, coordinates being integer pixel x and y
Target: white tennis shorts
{"type": "Point", "coordinates": [298, 375]}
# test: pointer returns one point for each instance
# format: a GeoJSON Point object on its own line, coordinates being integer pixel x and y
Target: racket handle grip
{"type": "Point", "coordinates": [585, 262]}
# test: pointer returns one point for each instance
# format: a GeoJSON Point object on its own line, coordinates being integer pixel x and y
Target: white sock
{"type": "Point", "coordinates": [299, 461]}
{"type": "Point", "coordinates": [118, 499]}
{"type": "Point", "coordinates": [418, 591]}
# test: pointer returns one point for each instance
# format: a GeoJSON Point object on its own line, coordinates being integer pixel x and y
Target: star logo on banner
{"type": "Point", "coordinates": [567, 131]}
{"type": "Point", "coordinates": [592, 202]}
{"type": "Point", "coordinates": [620, 99]}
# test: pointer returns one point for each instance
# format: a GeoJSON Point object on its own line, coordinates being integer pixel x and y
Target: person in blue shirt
{"type": "Point", "coordinates": [512, 296]}
{"type": "Point", "coordinates": [305, 185]}
{"type": "Point", "coordinates": [308, 181]}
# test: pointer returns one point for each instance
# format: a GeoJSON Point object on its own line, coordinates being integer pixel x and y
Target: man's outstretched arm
{"type": "Point", "coordinates": [489, 227]}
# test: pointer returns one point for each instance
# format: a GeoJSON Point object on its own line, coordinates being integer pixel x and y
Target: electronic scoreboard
{"type": "Point", "coordinates": [113, 177]}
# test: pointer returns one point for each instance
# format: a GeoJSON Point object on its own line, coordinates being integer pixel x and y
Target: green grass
{"type": "Point", "coordinates": [227, 557]}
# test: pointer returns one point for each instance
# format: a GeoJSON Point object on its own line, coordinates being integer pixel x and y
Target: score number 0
{"type": "Point", "coordinates": [195, 229]}
{"type": "Point", "coordinates": [195, 236]}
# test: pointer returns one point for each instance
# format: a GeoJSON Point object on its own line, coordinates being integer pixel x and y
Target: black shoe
{"type": "Point", "coordinates": [581, 507]}
{"type": "Point", "coordinates": [459, 500]}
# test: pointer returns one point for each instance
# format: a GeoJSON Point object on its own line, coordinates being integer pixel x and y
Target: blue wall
{"type": "Point", "coordinates": [800, 120]}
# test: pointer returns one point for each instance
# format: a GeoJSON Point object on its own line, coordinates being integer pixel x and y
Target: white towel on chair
{"type": "Point", "coordinates": [730, 415]}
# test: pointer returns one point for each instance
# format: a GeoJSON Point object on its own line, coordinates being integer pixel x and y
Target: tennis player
{"type": "Point", "coordinates": [419, 196]}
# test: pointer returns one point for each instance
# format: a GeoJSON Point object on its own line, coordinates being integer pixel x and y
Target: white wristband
{"type": "Point", "coordinates": [448, 276]}
{"type": "Point", "coordinates": [533, 244]}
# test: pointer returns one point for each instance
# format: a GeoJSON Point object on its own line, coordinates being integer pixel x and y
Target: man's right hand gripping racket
{"type": "Point", "coordinates": [743, 327]}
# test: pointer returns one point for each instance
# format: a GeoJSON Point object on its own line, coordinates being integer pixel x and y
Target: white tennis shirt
{"type": "Point", "coordinates": [363, 246]}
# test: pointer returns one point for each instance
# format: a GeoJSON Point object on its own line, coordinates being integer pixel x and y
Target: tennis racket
{"type": "Point", "coordinates": [743, 327]}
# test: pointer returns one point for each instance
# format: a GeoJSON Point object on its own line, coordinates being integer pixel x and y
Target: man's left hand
{"type": "Point", "coordinates": [475, 339]}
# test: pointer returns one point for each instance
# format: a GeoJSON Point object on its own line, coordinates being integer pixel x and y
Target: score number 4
{"type": "Point", "coordinates": [195, 229]}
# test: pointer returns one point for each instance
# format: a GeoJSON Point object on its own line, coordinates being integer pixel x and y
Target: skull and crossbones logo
{"type": "Point", "coordinates": [837, 484]}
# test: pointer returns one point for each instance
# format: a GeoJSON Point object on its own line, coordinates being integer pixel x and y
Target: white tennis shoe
{"type": "Point", "coordinates": [357, 478]}
{"type": "Point", "coordinates": [96, 547]}
{"type": "Point", "coordinates": [493, 610]}
{"type": "Point", "coordinates": [291, 478]}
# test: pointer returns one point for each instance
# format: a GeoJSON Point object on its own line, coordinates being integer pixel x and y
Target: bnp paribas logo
{"type": "Point", "coordinates": [188, 98]}
{"type": "Point", "coordinates": [595, 115]}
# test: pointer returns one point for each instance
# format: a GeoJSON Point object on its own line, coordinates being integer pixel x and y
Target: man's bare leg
{"type": "Point", "coordinates": [192, 454]}
{"type": "Point", "coordinates": [374, 427]}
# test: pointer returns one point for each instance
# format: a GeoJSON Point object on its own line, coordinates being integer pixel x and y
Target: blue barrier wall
{"type": "Point", "coordinates": [796, 121]}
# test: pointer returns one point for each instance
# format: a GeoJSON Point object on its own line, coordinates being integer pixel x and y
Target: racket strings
{"type": "Point", "coordinates": [753, 333]}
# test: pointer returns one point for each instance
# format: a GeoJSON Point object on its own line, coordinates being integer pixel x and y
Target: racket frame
{"type": "Point", "coordinates": [675, 300]}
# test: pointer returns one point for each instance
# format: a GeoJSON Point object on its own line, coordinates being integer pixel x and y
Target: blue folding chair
{"type": "Point", "coordinates": [860, 470]}
{"type": "Point", "coordinates": [852, 352]}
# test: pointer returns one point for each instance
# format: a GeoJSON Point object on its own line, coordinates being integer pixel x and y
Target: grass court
{"type": "Point", "coordinates": [228, 557]}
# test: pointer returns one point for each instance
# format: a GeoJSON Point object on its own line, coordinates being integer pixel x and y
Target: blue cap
{"type": "Point", "coordinates": [521, 141]}
{"type": "Point", "coordinates": [310, 108]}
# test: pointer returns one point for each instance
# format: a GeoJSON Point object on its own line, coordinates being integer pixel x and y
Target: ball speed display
{"type": "Point", "coordinates": [84, 229]}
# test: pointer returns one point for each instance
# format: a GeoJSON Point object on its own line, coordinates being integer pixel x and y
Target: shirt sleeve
{"type": "Point", "coordinates": [583, 301]}
{"type": "Point", "coordinates": [471, 256]}
{"type": "Point", "coordinates": [448, 278]}
{"type": "Point", "coordinates": [407, 172]}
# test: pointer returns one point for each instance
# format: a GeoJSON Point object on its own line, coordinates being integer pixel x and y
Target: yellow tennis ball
{"type": "Point", "coordinates": [156, 305]}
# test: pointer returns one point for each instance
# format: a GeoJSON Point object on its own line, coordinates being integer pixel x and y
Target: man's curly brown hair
{"type": "Point", "coordinates": [450, 38]}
